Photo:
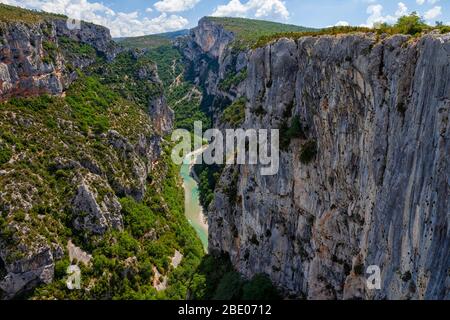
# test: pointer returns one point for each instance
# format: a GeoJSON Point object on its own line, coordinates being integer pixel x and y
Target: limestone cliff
{"type": "Point", "coordinates": [365, 181]}
{"type": "Point", "coordinates": [43, 57]}
{"type": "Point", "coordinates": [212, 62]}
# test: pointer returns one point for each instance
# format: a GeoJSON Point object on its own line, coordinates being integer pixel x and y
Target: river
{"type": "Point", "coordinates": [193, 209]}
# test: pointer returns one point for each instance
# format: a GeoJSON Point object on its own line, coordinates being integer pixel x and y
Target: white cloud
{"type": "Point", "coordinates": [433, 13]}
{"type": "Point", "coordinates": [401, 10]}
{"type": "Point", "coordinates": [259, 8]}
{"type": "Point", "coordinates": [175, 5]}
{"type": "Point", "coordinates": [342, 24]}
{"type": "Point", "coordinates": [121, 24]}
{"type": "Point", "coordinates": [375, 12]}
{"type": "Point", "coordinates": [233, 8]}
{"type": "Point", "coordinates": [421, 2]}
{"type": "Point", "coordinates": [130, 24]}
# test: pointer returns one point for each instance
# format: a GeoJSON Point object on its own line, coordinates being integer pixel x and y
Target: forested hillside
{"type": "Point", "coordinates": [86, 177]}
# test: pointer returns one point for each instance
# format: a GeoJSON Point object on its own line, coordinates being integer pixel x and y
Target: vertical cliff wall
{"type": "Point", "coordinates": [365, 179]}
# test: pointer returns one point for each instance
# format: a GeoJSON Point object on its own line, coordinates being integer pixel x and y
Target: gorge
{"type": "Point", "coordinates": [363, 180]}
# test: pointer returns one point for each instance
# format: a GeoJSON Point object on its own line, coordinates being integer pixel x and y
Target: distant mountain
{"type": "Point", "coordinates": [151, 41]}
{"type": "Point", "coordinates": [250, 30]}
{"type": "Point", "coordinates": [174, 34]}
{"type": "Point", "coordinates": [244, 30]}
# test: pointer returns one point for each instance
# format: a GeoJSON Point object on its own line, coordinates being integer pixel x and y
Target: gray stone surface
{"type": "Point", "coordinates": [377, 192]}
{"type": "Point", "coordinates": [31, 62]}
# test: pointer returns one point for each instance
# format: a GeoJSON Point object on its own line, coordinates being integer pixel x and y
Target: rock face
{"type": "Point", "coordinates": [35, 265]}
{"type": "Point", "coordinates": [96, 214]}
{"type": "Point", "coordinates": [34, 58]}
{"type": "Point", "coordinates": [211, 60]}
{"type": "Point", "coordinates": [162, 115]}
{"type": "Point", "coordinates": [376, 189]}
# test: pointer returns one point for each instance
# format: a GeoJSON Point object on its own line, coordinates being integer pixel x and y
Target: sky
{"type": "Point", "coordinates": [140, 17]}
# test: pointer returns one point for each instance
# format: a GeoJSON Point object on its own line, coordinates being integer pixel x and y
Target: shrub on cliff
{"type": "Point", "coordinates": [234, 115]}
{"type": "Point", "coordinates": [293, 131]}
{"type": "Point", "coordinates": [260, 288]}
{"type": "Point", "coordinates": [411, 24]}
{"type": "Point", "coordinates": [308, 152]}
{"type": "Point", "coordinates": [5, 155]}
{"type": "Point", "coordinates": [217, 279]}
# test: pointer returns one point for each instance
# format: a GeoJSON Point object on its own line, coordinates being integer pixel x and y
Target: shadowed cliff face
{"type": "Point", "coordinates": [365, 183]}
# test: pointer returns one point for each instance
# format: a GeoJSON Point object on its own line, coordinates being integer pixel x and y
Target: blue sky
{"type": "Point", "coordinates": [139, 17]}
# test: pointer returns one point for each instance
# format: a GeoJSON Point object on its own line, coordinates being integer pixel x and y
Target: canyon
{"type": "Point", "coordinates": [363, 177]}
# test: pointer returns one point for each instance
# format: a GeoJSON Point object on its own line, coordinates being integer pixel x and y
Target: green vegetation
{"type": "Point", "coordinates": [264, 40]}
{"type": "Point", "coordinates": [5, 155]}
{"type": "Point", "coordinates": [153, 41]}
{"type": "Point", "coordinates": [91, 103]}
{"type": "Point", "coordinates": [308, 152]}
{"type": "Point", "coordinates": [260, 288]}
{"type": "Point", "coordinates": [182, 96]}
{"type": "Point", "coordinates": [217, 280]}
{"type": "Point", "coordinates": [208, 176]}
{"type": "Point", "coordinates": [248, 31]}
{"type": "Point", "coordinates": [51, 51]}
{"type": "Point", "coordinates": [233, 80]}
{"type": "Point", "coordinates": [16, 14]}
{"type": "Point", "coordinates": [123, 76]}
{"type": "Point", "coordinates": [144, 42]}
{"type": "Point", "coordinates": [168, 59]}
{"type": "Point", "coordinates": [234, 115]}
{"type": "Point", "coordinates": [293, 131]}
{"type": "Point", "coordinates": [74, 49]}
{"type": "Point", "coordinates": [411, 24]}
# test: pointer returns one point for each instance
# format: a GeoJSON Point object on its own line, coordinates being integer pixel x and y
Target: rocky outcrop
{"type": "Point", "coordinates": [76, 254]}
{"type": "Point", "coordinates": [96, 213]}
{"type": "Point", "coordinates": [162, 115]}
{"type": "Point", "coordinates": [211, 38]}
{"type": "Point", "coordinates": [39, 58]}
{"type": "Point", "coordinates": [374, 189]}
{"type": "Point", "coordinates": [33, 263]}
{"type": "Point", "coordinates": [94, 35]}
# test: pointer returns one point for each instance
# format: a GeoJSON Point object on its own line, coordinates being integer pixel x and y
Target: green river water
{"type": "Point", "coordinates": [193, 209]}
